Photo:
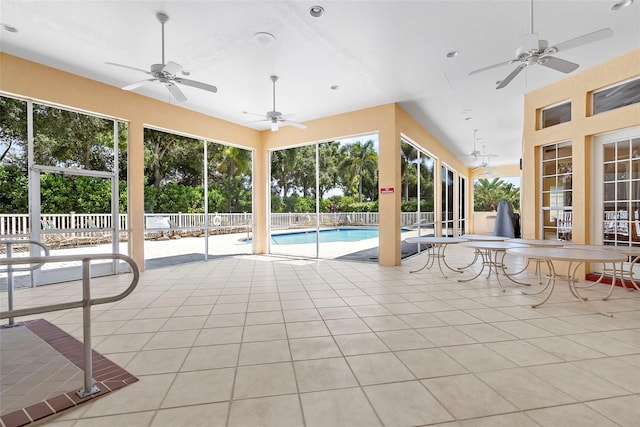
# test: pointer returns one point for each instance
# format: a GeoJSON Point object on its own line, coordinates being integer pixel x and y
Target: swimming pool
{"type": "Point", "coordinates": [330, 235]}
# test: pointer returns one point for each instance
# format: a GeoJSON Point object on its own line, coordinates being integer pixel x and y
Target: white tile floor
{"type": "Point", "coordinates": [267, 341]}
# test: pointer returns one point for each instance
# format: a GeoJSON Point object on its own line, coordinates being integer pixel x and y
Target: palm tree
{"type": "Point", "coordinates": [408, 171]}
{"type": "Point", "coordinates": [360, 164]}
{"type": "Point", "coordinates": [488, 193]}
{"type": "Point", "coordinates": [235, 161]}
{"type": "Point", "coordinates": [329, 173]}
{"type": "Point", "coordinates": [234, 166]}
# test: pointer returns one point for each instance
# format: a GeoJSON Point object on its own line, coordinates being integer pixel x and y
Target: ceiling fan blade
{"type": "Point", "coordinates": [126, 66]}
{"type": "Point", "coordinates": [136, 85]}
{"type": "Point", "coordinates": [579, 41]}
{"type": "Point", "coordinates": [558, 64]}
{"type": "Point", "coordinates": [171, 68]}
{"type": "Point", "coordinates": [489, 67]}
{"type": "Point", "coordinates": [256, 114]}
{"type": "Point", "coordinates": [197, 85]}
{"type": "Point", "coordinates": [294, 124]}
{"type": "Point", "coordinates": [511, 76]}
{"type": "Point", "coordinates": [176, 92]}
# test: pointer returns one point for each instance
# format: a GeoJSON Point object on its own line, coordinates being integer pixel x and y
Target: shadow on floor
{"type": "Point", "coordinates": [371, 255]}
{"type": "Point", "coordinates": [175, 260]}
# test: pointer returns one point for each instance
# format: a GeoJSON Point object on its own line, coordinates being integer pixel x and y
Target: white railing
{"type": "Point", "coordinates": [19, 224]}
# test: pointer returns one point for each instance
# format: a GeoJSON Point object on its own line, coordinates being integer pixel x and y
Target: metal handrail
{"type": "Point", "coordinates": [86, 302]}
{"type": "Point", "coordinates": [9, 244]}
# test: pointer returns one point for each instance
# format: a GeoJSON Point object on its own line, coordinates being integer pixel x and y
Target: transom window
{"type": "Point", "coordinates": [617, 96]}
{"type": "Point", "coordinates": [555, 114]}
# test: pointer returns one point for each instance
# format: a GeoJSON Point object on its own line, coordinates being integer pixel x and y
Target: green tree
{"type": "Point", "coordinates": [488, 193]}
{"type": "Point", "coordinates": [408, 169]}
{"type": "Point", "coordinates": [172, 158]}
{"type": "Point", "coordinates": [360, 168]}
{"type": "Point", "coordinates": [283, 171]}
{"type": "Point", "coordinates": [72, 139]}
{"type": "Point", "coordinates": [13, 132]}
{"type": "Point", "coordinates": [234, 176]}
{"type": "Point", "coordinates": [305, 170]}
{"type": "Point", "coordinates": [329, 170]}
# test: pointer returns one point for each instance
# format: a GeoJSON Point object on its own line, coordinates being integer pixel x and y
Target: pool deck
{"type": "Point", "coordinates": [159, 253]}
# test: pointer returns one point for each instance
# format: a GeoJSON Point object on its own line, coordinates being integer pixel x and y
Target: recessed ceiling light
{"type": "Point", "coordinates": [621, 4]}
{"type": "Point", "coordinates": [316, 11]}
{"type": "Point", "coordinates": [453, 54]}
{"type": "Point", "coordinates": [9, 28]}
{"type": "Point", "coordinates": [264, 38]}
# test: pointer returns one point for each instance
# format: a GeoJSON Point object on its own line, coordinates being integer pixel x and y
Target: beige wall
{"type": "Point", "coordinates": [40, 83]}
{"type": "Point", "coordinates": [579, 130]}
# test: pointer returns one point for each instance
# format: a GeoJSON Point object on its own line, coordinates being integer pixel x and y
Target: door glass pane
{"type": "Point", "coordinates": [462, 205]}
{"type": "Point", "coordinates": [293, 202]}
{"type": "Point", "coordinates": [14, 188]}
{"type": "Point", "coordinates": [409, 170]}
{"type": "Point", "coordinates": [549, 168]}
{"type": "Point", "coordinates": [635, 169]}
{"type": "Point", "coordinates": [621, 192]}
{"type": "Point", "coordinates": [609, 152]}
{"type": "Point", "coordinates": [173, 198]}
{"type": "Point", "coordinates": [609, 171]}
{"type": "Point", "coordinates": [75, 219]}
{"type": "Point", "coordinates": [447, 201]}
{"type": "Point", "coordinates": [609, 192]}
{"type": "Point", "coordinates": [427, 193]}
{"type": "Point", "coordinates": [557, 200]}
{"type": "Point", "coordinates": [349, 218]}
{"type": "Point", "coordinates": [229, 192]}
{"type": "Point", "coordinates": [623, 150]}
{"type": "Point", "coordinates": [345, 222]}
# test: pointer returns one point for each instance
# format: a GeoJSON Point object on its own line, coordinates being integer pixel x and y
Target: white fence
{"type": "Point", "coordinates": [19, 224]}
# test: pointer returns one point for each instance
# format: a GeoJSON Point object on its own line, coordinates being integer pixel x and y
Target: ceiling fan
{"type": "Point", "coordinates": [537, 51]}
{"type": "Point", "coordinates": [165, 73]}
{"type": "Point", "coordinates": [484, 164]}
{"type": "Point", "coordinates": [276, 118]}
{"type": "Point", "coordinates": [476, 154]}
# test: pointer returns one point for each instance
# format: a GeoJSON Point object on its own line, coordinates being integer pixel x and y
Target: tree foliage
{"type": "Point", "coordinates": [350, 168]}
{"type": "Point", "coordinates": [174, 169]}
{"type": "Point", "coordinates": [488, 193]}
{"type": "Point", "coordinates": [412, 161]}
{"type": "Point", "coordinates": [72, 139]}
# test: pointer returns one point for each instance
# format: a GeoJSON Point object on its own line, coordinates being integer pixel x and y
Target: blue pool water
{"type": "Point", "coordinates": [332, 235]}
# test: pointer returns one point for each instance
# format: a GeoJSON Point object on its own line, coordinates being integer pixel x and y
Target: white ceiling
{"type": "Point", "coordinates": [377, 52]}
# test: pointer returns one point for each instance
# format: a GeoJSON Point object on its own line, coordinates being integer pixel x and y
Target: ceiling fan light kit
{"type": "Point", "coordinates": [534, 50]}
{"type": "Point", "coordinates": [274, 117]}
{"type": "Point", "coordinates": [166, 72]}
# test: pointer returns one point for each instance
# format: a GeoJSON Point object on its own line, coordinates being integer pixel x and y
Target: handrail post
{"type": "Point", "coordinates": [10, 284]}
{"type": "Point", "coordinates": [89, 387]}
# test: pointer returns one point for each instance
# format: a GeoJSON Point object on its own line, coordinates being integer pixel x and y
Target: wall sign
{"type": "Point", "coordinates": [387, 190]}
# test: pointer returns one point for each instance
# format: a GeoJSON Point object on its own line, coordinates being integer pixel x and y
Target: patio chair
{"type": "Point", "coordinates": [564, 227]}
